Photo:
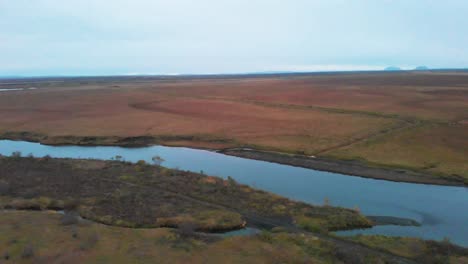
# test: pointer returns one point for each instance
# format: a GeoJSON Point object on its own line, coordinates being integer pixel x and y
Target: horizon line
{"type": "Point", "coordinates": [221, 74]}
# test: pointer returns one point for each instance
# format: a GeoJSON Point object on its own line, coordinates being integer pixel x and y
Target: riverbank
{"type": "Point", "coordinates": [141, 195]}
{"type": "Point", "coordinates": [346, 167]}
{"type": "Point", "coordinates": [354, 168]}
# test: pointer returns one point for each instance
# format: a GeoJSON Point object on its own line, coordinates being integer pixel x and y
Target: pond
{"type": "Point", "coordinates": [441, 210]}
{"type": "Point", "coordinates": [16, 89]}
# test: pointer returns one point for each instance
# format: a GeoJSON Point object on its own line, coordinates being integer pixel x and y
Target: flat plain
{"type": "Point", "coordinates": [74, 211]}
{"type": "Point", "coordinates": [411, 120]}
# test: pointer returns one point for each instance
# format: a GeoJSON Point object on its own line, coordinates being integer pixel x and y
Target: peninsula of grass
{"type": "Point", "coordinates": [143, 196]}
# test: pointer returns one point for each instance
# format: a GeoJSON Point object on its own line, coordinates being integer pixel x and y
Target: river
{"type": "Point", "coordinates": [442, 210]}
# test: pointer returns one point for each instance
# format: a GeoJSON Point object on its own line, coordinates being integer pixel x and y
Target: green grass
{"type": "Point", "coordinates": [420, 250]}
{"type": "Point", "coordinates": [437, 150]}
{"type": "Point", "coordinates": [95, 243]}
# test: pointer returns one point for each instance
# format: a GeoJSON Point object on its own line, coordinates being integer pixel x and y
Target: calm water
{"type": "Point", "coordinates": [17, 89]}
{"type": "Point", "coordinates": [442, 210]}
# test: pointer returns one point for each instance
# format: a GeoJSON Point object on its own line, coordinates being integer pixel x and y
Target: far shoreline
{"type": "Point", "coordinates": [347, 168]}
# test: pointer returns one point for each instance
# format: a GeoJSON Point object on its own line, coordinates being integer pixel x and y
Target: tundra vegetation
{"type": "Point", "coordinates": [410, 120]}
{"type": "Point", "coordinates": [119, 212]}
{"type": "Point", "coordinates": [142, 195]}
{"type": "Point", "coordinates": [41, 237]}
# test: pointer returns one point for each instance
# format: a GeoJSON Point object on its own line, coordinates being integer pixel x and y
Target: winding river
{"type": "Point", "coordinates": [441, 210]}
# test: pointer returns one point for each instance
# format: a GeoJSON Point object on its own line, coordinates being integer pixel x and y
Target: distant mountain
{"type": "Point", "coordinates": [392, 68]}
{"type": "Point", "coordinates": [421, 68]}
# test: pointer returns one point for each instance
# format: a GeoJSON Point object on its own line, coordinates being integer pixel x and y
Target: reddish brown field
{"type": "Point", "coordinates": [383, 118]}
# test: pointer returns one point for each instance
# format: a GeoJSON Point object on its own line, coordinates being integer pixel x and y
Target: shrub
{"type": "Point", "coordinates": [231, 181]}
{"type": "Point", "coordinates": [157, 160]}
{"type": "Point", "coordinates": [129, 178]}
{"type": "Point", "coordinates": [89, 242]}
{"type": "Point", "coordinates": [71, 205]}
{"type": "Point", "coordinates": [187, 229]}
{"type": "Point", "coordinates": [218, 219]}
{"type": "Point", "coordinates": [74, 231]}
{"type": "Point", "coordinates": [28, 251]}
{"type": "Point", "coordinates": [312, 224]}
{"type": "Point", "coordinates": [43, 202]}
{"type": "Point", "coordinates": [279, 229]}
{"type": "Point", "coordinates": [16, 154]}
{"type": "Point", "coordinates": [30, 193]}
{"type": "Point", "coordinates": [23, 204]}
{"type": "Point", "coordinates": [4, 188]}
{"type": "Point", "coordinates": [69, 218]}
{"type": "Point", "coordinates": [265, 236]}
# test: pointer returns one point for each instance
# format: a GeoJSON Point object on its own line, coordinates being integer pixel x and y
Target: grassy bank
{"type": "Point", "coordinates": [398, 163]}
{"type": "Point", "coordinates": [142, 195]}
{"type": "Point", "coordinates": [434, 149]}
{"type": "Point", "coordinates": [422, 251]}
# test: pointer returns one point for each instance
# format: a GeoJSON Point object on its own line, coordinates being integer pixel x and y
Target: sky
{"type": "Point", "coordinates": [113, 37]}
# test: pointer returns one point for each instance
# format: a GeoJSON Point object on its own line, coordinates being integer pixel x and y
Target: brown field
{"type": "Point", "coordinates": [414, 120]}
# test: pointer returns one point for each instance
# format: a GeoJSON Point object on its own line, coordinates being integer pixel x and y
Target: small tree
{"type": "Point", "coordinates": [357, 209]}
{"type": "Point", "coordinates": [231, 181]}
{"type": "Point", "coordinates": [118, 158]}
{"type": "Point", "coordinates": [157, 160]}
{"type": "Point", "coordinates": [16, 154]}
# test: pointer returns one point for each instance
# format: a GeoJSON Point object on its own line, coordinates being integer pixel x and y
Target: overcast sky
{"type": "Point", "coordinates": [83, 37]}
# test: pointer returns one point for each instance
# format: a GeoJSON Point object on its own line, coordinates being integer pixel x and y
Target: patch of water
{"type": "Point", "coordinates": [17, 89]}
{"type": "Point", "coordinates": [441, 210]}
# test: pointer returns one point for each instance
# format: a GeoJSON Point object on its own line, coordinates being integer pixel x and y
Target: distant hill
{"type": "Point", "coordinates": [421, 68]}
{"type": "Point", "coordinates": [392, 68]}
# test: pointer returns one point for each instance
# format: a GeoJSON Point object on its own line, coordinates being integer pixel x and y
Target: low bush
{"type": "Point", "coordinates": [4, 188]}
{"type": "Point", "coordinates": [28, 251]}
{"type": "Point", "coordinates": [89, 241]}
{"type": "Point", "coordinates": [69, 218]}
{"type": "Point", "coordinates": [312, 224]}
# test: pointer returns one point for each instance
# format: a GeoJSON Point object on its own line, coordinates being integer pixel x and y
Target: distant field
{"type": "Point", "coordinates": [416, 120]}
{"type": "Point", "coordinates": [432, 148]}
